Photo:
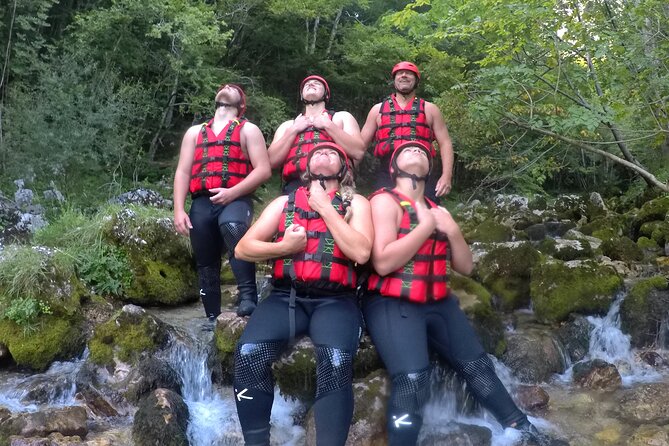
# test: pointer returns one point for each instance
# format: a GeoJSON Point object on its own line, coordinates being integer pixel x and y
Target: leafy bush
{"type": "Point", "coordinates": [25, 311]}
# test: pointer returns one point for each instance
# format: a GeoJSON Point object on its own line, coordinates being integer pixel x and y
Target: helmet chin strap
{"type": "Point", "coordinates": [414, 178]}
{"type": "Point", "coordinates": [312, 102]}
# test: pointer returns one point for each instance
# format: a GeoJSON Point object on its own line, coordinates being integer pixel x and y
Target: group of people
{"type": "Point", "coordinates": [319, 234]}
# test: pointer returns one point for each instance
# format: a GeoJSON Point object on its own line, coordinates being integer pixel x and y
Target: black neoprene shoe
{"type": "Point", "coordinates": [533, 437]}
{"type": "Point", "coordinates": [246, 307]}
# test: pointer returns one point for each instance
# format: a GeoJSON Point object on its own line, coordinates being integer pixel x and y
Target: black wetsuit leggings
{"type": "Point", "coordinates": [217, 229]}
{"type": "Point", "coordinates": [333, 323]}
{"type": "Point", "coordinates": [403, 332]}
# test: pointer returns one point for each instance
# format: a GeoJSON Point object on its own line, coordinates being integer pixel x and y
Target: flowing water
{"type": "Point", "coordinates": [575, 414]}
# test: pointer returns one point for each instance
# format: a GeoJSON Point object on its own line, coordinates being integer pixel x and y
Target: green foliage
{"type": "Point", "coordinates": [106, 270]}
{"type": "Point", "coordinates": [99, 264]}
{"type": "Point", "coordinates": [25, 312]}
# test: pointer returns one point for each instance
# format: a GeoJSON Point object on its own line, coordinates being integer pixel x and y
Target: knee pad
{"type": "Point", "coordinates": [253, 365]}
{"type": "Point", "coordinates": [334, 370]}
{"type": "Point", "coordinates": [411, 391]}
{"type": "Point", "coordinates": [232, 234]}
{"type": "Point", "coordinates": [480, 375]}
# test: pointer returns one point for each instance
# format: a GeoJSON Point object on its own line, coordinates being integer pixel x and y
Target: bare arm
{"type": "Point", "coordinates": [438, 126]}
{"type": "Point", "coordinates": [182, 179]}
{"type": "Point", "coordinates": [345, 131]}
{"type": "Point", "coordinates": [256, 245]}
{"type": "Point", "coordinates": [371, 125]}
{"type": "Point", "coordinates": [256, 150]}
{"type": "Point", "coordinates": [283, 140]}
{"type": "Point", "coordinates": [354, 237]}
{"type": "Point", "coordinates": [390, 253]}
{"type": "Point", "coordinates": [461, 255]}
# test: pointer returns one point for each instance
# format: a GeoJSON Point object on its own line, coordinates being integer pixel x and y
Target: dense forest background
{"type": "Point", "coordinates": [539, 96]}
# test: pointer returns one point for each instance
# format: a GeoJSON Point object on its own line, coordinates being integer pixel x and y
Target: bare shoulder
{"type": "Point", "coordinates": [359, 199]}
{"type": "Point", "coordinates": [250, 127]}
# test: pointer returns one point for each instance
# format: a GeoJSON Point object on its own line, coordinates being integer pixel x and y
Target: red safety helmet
{"type": "Point", "coordinates": [319, 79]}
{"type": "Point", "coordinates": [241, 107]}
{"type": "Point", "coordinates": [394, 168]}
{"type": "Point", "coordinates": [406, 66]}
{"type": "Point", "coordinates": [345, 163]}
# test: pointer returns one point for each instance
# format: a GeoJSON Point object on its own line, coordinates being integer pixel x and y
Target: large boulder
{"type": "Point", "coordinates": [533, 355]}
{"type": "Point", "coordinates": [53, 338]}
{"type": "Point", "coordinates": [574, 334]}
{"type": "Point", "coordinates": [130, 336]}
{"type": "Point", "coordinates": [597, 374]}
{"type": "Point", "coordinates": [159, 257]}
{"type": "Point", "coordinates": [229, 327]}
{"type": "Point", "coordinates": [505, 271]}
{"type": "Point", "coordinates": [560, 288]}
{"type": "Point", "coordinates": [67, 420]}
{"type": "Point", "coordinates": [622, 248]}
{"type": "Point", "coordinates": [652, 210]}
{"type": "Point", "coordinates": [644, 309]}
{"type": "Point", "coordinates": [476, 302]}
{"type": "Point", "coordinates": [161, 420]}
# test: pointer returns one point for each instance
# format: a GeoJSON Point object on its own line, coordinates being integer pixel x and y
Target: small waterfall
{"type": "Point", "coordinates": [213, 416]}
{"type": "Point", "coordinates": [55, 387]}
{"type": "Point", "coordinates": [609, 343]}
{"type": "Point", "coordinates": [450, 403]}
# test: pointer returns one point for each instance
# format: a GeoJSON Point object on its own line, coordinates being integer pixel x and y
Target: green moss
{"type": "Point", "coordinates": [558, 289]}
{"type": "Point", "coordinates": [458, 282]}
{"type": "Point", "coordinates": [642, 310]}
{"type": "Point", "coordinates": [622, 248]}
{"type": "Point", "coordinates": [490, 232]}
{"type": "Point", "coordinates": [646, 243]}
{"type": "Point", "coordinates": [54, 338]}
{"type": "Point", "coordinates": [607, 226]}
{"type": "Point", "coordinates": [159, 282]}
{"type": "Point", "coordinates": [506, 271]}
{"type": "Point", "coordinates": [652, 210]}
{"type": "Point", "coordinates": [125, 339]}
{"type": "Point", "coordinates": [296, 376]}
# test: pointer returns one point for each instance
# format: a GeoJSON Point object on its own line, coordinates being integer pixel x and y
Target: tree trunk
{"type": "Point", "coordinates": [4, 79]}
{"type": "Point", "coordinates": [306, 36]}
{"type": "Point", "coordinates": [167, 118]}
{"type": "Point", "coordinates": [313, 41]}
{"type": "Point", "coordinates": [333, 32]}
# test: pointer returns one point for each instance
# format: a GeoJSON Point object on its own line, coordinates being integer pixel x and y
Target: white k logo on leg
{"type": "Point", "coordinates": [241, 395]}
{"type": "Point", "coordinates": [399, 422]}
{"type": "Point", "coordinates": [202, 293]}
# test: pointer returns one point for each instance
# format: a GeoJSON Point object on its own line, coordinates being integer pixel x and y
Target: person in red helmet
{"type": "Point", "coordinates": [315, 235]}
{"type": "Point", "coordinates": [220, 164]}
{"type": "Point", "coordinates": [410, 312]}
{"type": "Point", "coordinates": [294, 139]}
{"type": "Point", "coordinates": [403, 116]}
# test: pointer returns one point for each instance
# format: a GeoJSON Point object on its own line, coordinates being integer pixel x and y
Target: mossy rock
{"type": "Point", "coordinates": [295, 371]}
{"type": "Point", "coordinates": [505, 271]}
{"type": "Point", "coordinates": [643, 309]}
{"type": "Point", "coordinates": [570, 207]}
{"type": "Point", "coordinates": [157, 282]}
{"type": "Point", "coordinates": [55, 338]}
{"type": "Point", "coordinates": [657, 231]}
{"type": "Point", "coordinates": [613, 224]}
{"type": "Point", "coordinates": [560, 288]}
{"type": "Point", "coordinates": [476, 302]}
{"type": "Point", "coordinates": [160, 258]}
{"type": "Point", "coordinates": [227, 332]}
{"type": "Point", "coordinates": [575, 249]}
{"type": "Point", "coordinates": [622, 248]}
{"type": "Point", "coordinates": [132, 334]}
{"type": "Point", "coordinates": [656, 209]}
{"type": "Point", "coordinates": [649, 247]}
{"type": "Point", "coordinates": [490, 231]}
